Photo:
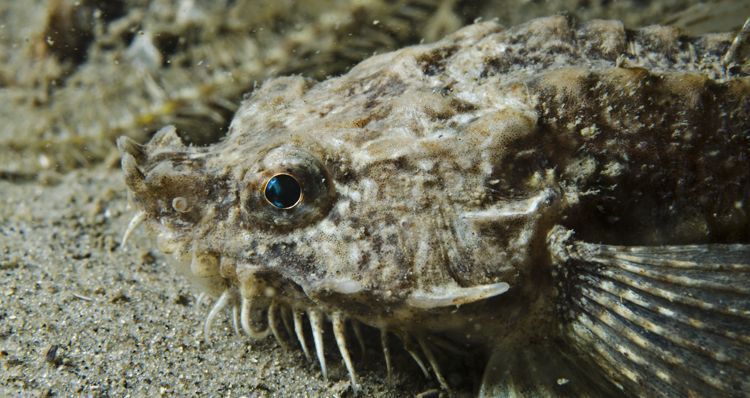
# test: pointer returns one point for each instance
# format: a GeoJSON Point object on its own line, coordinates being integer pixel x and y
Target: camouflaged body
{"type": "Point", "coordinates": [438, 168]}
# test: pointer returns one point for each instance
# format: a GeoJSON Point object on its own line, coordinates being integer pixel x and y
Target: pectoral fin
{"type": "Point", "coordinates": [662, 320]}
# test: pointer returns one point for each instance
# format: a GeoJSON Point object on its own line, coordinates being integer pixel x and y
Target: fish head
{"type": "Point", "coordinates": [306, 204]}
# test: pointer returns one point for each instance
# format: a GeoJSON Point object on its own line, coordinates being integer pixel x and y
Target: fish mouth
{"type": "Point", "coordinates": [260, 308]}
{"type": "Point", "coordinates": [262, 303]}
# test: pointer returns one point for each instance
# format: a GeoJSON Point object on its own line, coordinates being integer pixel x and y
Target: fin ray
{"type": "Point", "coordinates": [667, 360]}
{"type": "Point", "coordinates": [700, 299]}
{"type": "Point", "coordinates": [661, 320]}
{"type": "Point", "coordinates": [697, 269]}
{"type": "Point", "coordinates": [726, 326]}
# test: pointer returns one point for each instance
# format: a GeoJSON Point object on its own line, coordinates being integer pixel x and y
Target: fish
{"type": "Point", "coordinates": [564, 201]}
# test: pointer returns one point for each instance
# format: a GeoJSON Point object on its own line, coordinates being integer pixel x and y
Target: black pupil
{"type": "Point", "coordinates": [283, 191]}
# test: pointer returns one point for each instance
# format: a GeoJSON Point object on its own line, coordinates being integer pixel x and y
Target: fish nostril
{"type": "Point", "coordinates": [128, 145]}
{"type": "Point", "coordinates": [134, 177]}
{"type": "Point", "coordinates": [180, 204]}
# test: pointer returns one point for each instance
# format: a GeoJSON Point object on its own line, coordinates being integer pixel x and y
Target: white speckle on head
{"type": "Point", "coordinates": [355, 255]}
{"type": "Point", "coordinates": [246, 236]}
{"type": "Point", "coordinates": [343, 206]}
{"type": "Point", "coordinates": [44, 161]}
{"type": "Point", "coordinates": [589, 132]}
{"type": "Point", "coordinates": [422, 255]}
{"type": "Point", "coordinates": [346, 192]}
{"type": "Point", "coordinates": [328, 228]}
{"type": "Point", "coordinates": [370, 189]}
{"type": "Point", "coordinates": [233, 215]}
{"type": "Point", "coordinates": [336, 143]}
{"type": "Point", "coordinates": [426, 164]}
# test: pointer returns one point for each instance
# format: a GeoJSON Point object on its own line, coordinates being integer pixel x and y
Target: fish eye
{"type": "Point", "coordinates": [283, 191]}
{"type": "Point", "coordinates": [287, 188]}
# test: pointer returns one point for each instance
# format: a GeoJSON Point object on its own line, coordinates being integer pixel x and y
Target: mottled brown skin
{"type": "Point", "coordinates": [445, 166]}
{"type": "Point", "coordinates": [674, 174]}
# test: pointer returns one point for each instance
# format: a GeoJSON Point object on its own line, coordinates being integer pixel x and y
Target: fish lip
{"type": "Point", "coordinates": [308, 291]}
{"type": "Point", "coordinates": [263, 283]}
{"type": "Point", "coordinates": [345, 286]}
